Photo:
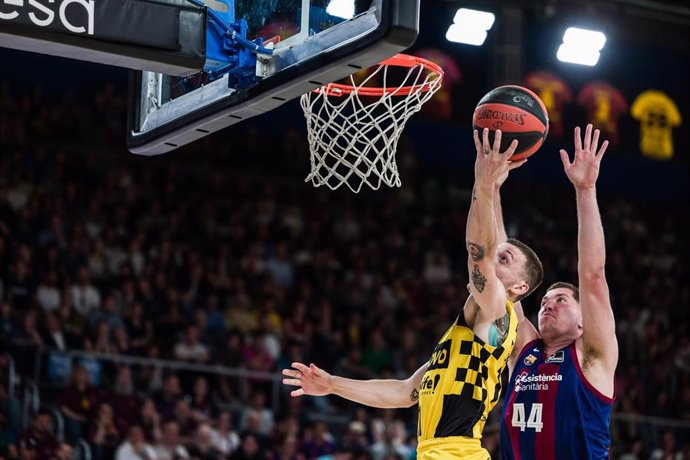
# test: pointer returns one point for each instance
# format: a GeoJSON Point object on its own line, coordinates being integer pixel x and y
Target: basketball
{"type": "Point", "coordinates": [518, 113]}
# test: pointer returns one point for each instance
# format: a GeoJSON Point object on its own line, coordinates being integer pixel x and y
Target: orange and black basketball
{"type": "Point", "coordinates": [518, 113]}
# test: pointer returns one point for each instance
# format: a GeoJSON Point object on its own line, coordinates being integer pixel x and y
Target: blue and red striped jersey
{"type": "Point", "coordinates": [551, 411]}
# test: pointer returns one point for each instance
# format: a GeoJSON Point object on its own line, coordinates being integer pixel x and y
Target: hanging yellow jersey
{"type": "Point", "coordinates": [460, 387]}
{"type": "Point", "coordinates": [657, 114]}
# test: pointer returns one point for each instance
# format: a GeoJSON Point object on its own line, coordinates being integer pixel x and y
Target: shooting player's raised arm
{"type": "Point", "coordinates": [482, 236]}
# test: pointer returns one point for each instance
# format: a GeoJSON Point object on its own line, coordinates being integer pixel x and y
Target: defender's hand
{"type": "Point", "coordinates": [584, 170]}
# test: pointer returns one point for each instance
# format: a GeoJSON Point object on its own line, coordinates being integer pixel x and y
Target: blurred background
{"type": "Point", "coordinates": [155, 299]}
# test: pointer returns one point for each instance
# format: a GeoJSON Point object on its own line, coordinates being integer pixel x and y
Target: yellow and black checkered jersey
{"type": "Point", "coordinates": [463, 381]}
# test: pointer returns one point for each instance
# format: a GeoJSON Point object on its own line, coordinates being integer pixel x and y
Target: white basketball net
{"type": "Point", "coordinates": [353, 138]}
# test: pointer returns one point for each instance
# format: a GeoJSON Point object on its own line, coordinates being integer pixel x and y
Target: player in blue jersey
{"type": "Point", "coordinates": [559, 398]}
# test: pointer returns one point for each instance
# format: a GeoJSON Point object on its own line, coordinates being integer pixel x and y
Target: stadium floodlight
{"type": "Point", "coordinates": [474, 18]}
{"type": "Point", "coordinates": [470, 26]}
{"type": "Point", "coordinates": [341, 8]}
{"type": "Point", "coordinates": [581, 46]}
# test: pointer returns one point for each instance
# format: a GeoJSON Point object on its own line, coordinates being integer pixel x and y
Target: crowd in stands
{"type": "Point", "coordinates": [219, 254]}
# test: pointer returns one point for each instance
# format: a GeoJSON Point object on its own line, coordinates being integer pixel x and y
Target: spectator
{"type": "Point", "coordinates": [71, 321]}
{"type": "Point", "coordinates": [108, 314]}
{"type": "Point", "coordinates": [166, 400]}
{"type": "Point", "coordinates": [27, 450]}
{"type": "Point", "coordinates": [240, 314]}
{"type": "Point", "coordinates": [55, 337]}
{"type": "Point", "coordinates": [255, 354]}
{"type": "Point", "coordinates": [38, 441]}
{"type": "Point", "coordinates": [101, 340]}
{"type": "Point", "coordinates": [289, 449]}
{"type": "Point", "coordinates": [85, 295]}
{"type": "Point", "coordinates": [149, 298]}
{"type": "Point", "coordinates": [55, 235]}
{"type": "Point", "coordinates": [140, 329]}
{"type": "Point", "coordinates": [8, 448]}
{"type": "Point", "coordinates": [135, 447]}
{"type": "Point", "coordinates": [280, 266]}
{"type": "Point", "coordinates": [635, 450]}
{"type": "Point", "coordinates": [120, 341]}
{"type": "Point", "coordinates": [215, 321]}
{"type": "Point", "coordinates": [232, 355]}
{"type": "Point", "coordinates": [437, 268]}
{"type": "Point", "coordinates": [258, 411]}
{"type": "Point", "coordinates": [97, 262]}
{"type": "Point", "coordinates": [185, 418]}
{"type": "Point", "coordinates": [77, 403]}
{"type": "Point", "coordinates": [169, 326]}
{"type": "Point", "coordinates": [198, 285]}
{"type": "Point", "coordinates": [190, 348]}
{"type": "Point", "coordinates": [150, 420]}
{"type": "Point", "coordinates": [122, 398]}
{"type": "Point", "coordinates": [170, 447]}
{"type": "Point", "coordinates": [64, 452]}
{"type": "Point", "coordinates": [202, 448]}
{"type": "Point", "coordinates": [270, 338]}
{"type": "Point", "coordinates": [318, 441]}
{"type": "Point", "coordinates": [6, 323]}
{"type": "Point", "coordinates": [223, 437]}
{"type": "Point", "coordinates": [201, 405]}
{"type": "Point", "coordinates": [29, 335]}
{"type": "Point", "coordinates": [250, 449]}
{"type": "Point", "coordinates": [136, 257]}
{"type": "Point", "coordinates": [355, 439]}
{"type": "Point", "coordinates": [377, 356]}
{"type": "Point", "coordinates": [105, 434]}
{"type": "Point", "coordinates": [9, 412]}
{"type": "Point", "coordinates": [353, 366]}
{"type": "Point", "coordinates": [47, 293]}
{"type": "Point", "coordinates": [20, 286]}
{"type": "Point", "coordinates": [253, 427]}
{"type": "Point", "coordinates": [391, 444]}
{"type": "Point", "coordinates": [296, 327]}
{"type": "Point", "coordinates": [380, 422]}
{"type": "Point", "coordinates": [227, 396]}
{"type": "Point", "coordinates": [667, 450]}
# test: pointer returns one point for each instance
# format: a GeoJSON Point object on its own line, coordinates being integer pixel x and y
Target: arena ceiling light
{"type": "Point", "coordinates": [470, 26]}
{"type": "Point", "coordinates": [341, 8]}
{"type": "Point", "coordinates": [581, 46]}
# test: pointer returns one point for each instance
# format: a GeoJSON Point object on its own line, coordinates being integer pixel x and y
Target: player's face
{"type": "Point", "coordinates": [560, 313]}
{"type": "Point", "coordinates": [510, 263]}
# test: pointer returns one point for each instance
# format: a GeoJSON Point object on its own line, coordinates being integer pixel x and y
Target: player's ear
{"type": "Point", "coordinates": [519, 289]}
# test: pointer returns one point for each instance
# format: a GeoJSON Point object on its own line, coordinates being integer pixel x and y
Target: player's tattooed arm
{"type": "Point", "coordinates": [413, 384]}
{"type": "Point", "coordinates": [476, 251]}
{"type": "Point", "coordinates": [498, 330]}
{"type": "Point", "coordinates": [478, 279]}
{"type": "Point", "coordinates": [414, 396]}
{"type": "Point", "coordinates": [477, 254]}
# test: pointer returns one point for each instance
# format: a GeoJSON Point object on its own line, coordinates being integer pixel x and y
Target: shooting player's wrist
{"type": "Point", "coordinates": [484, 190]}
{"type": "Point", "coordinates": [584, 190]}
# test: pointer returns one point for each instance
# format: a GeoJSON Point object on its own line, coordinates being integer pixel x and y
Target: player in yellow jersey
{"type": "Point", "coordinates": [460, 384]}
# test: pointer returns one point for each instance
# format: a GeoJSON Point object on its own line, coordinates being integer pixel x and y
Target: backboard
{"type": "Point", "coordinates": [309, 42]}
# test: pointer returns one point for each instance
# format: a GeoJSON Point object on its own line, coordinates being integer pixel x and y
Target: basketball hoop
{"type": "Point", "coordinates": [353, 130]}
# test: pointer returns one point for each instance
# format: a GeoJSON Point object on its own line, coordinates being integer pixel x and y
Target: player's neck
{"type": "Point", "coordinates": [553, 344]}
